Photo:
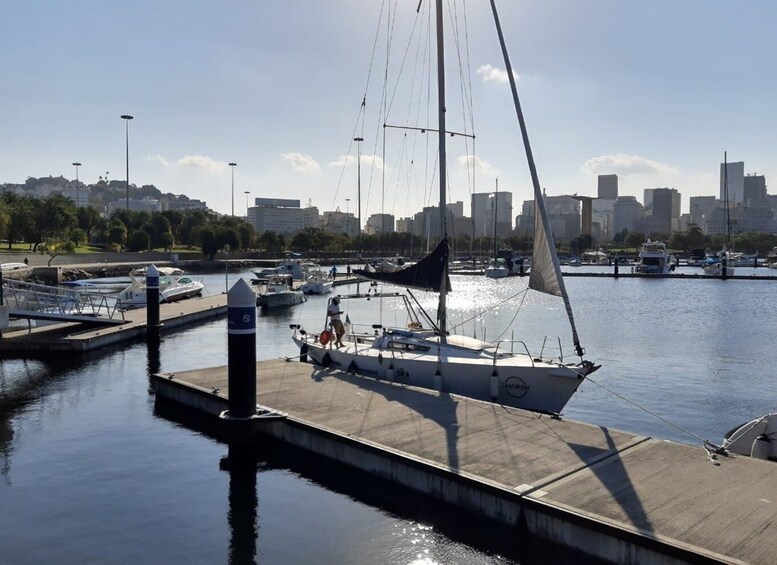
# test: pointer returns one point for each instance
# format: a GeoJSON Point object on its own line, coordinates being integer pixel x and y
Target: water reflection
{"type": "Point", "coordinates": [241, 464]}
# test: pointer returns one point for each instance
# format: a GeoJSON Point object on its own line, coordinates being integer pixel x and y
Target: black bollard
{"type": "Point", "coordinates": [243, 503]}
{"type": "Point", "coordinates": [241, 349]}
{"type": "Point", "coordinates": [616, 267]}
{"type": "Point", "coordinates": [152, 303]}
{"type": "Point", "coordinates": [723, 262]}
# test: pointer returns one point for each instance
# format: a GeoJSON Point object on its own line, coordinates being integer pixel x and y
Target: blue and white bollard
{"type": "Point", "coordinates": [153, 326]}
{"type": "Point", "coordinates": [241, 330]}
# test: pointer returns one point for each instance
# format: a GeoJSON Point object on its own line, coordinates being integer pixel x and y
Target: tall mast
{"type": "Point", "coordinates": [443, 316]}
{"type": "Point", "coordinates": [496, 204]}
{"type": "Point", "coordinates": [725, 199]}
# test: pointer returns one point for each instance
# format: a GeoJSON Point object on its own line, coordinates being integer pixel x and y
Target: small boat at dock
{"type": "Point", "coordinates": [756, 438]}
{"type": "Point", "coordinates": [278, 292]}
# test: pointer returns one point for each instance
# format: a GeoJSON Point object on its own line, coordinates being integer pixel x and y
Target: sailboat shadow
{"type": "Point", "coordinates": [614, 476]}
{"type": "Point", "coordinates": [440, 409]}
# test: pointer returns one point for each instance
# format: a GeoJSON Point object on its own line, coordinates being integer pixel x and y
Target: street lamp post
{"type": "Point", "coordinates": [347, 219]}
{"type": "Point", "coordinates": [127, 118]}
{"type": "Point", "coordinates": [247, 192]}
{"type": "Point", "coordinates": [358, 141]}
{"type": "Point", "coordinates": [76, 165]}
{"type": "Point", "coordinates": [233, 165]}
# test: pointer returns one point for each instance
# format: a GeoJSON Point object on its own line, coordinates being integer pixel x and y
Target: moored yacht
{"type": "Point", "coordinates": [654, 259]}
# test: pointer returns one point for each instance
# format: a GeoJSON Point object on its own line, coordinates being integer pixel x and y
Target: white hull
{"type": "Point", "coordinates": [716, 270]}
{"type": "Point", "coordinates": [515, 380]}
{"type": "Point", "coordinates": [496, 272]}
{"type": "Point", "coordinates": [757, 438]}
{"type": "Point", "coordinates": [280, 299]}
{"type": "Point", "coordinates": [170, 290]}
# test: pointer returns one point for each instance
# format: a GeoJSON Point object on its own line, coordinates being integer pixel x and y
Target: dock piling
{"type": "Point", "coordinates": [153, 327]}
{"type": "Point", "coordinates": [241, 329]}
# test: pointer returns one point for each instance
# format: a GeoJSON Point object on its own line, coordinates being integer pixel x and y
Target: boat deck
{"type": "Point", "coordinates": [622, 491]}
{"type": "Point", "coordinates": [77, 336]}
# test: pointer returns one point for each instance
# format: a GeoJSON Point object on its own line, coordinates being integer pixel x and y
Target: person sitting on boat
{"type": "Point", "coordinates": [333, 312]}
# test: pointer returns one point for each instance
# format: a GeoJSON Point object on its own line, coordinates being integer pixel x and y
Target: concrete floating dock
{"type": "Point", "coordinates": [76, 337]}
{"type": "Point", "coordinates": [607, 493]}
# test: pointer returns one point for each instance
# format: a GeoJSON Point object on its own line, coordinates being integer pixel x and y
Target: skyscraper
{"type": "Point", "coordinates": [735, 174]}
{"type": "Point", "coordinates": [608, 187]}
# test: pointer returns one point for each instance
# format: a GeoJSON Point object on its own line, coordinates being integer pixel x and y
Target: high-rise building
{"type": "Point", "coordinates": [563, 217]}
{"type": "Point", "coordinates": [701, 207]}
{"type": "Point", "coordinates": [664, 215]}
{"type": "Point", "coordinates": [484, 204]}
{"type": "Point", "coordinates": [279, 215]}
{"type": "Point", "coordinates": [734, 173]}
{"type": "Point", "coordinates": [754, 188]}
{"type": "Point", "coordinates": [608, 187]}
{"type": "Point", "coordinates": [380, 223]}
{"type": "Point", "coordinates": [627, 215]}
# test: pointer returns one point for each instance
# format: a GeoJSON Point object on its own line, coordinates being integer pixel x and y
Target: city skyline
{"type": "Point", "coordinates": [650, 93]}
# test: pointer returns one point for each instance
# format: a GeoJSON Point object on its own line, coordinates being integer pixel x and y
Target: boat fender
{"type": "Point", "coordinates": [380, 358]}
{"type": "Point", "coordinates": [325, 336]}
{"type": "Point", "coordinates": [761, 447]}
{"type": "Point", "coordinates": [303, 353]}
{"type": "Point", "coordinates": [494, 386]}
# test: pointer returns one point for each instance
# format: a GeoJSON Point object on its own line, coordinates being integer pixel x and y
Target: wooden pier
{"type": "Point", "coordinates": [79, 337]}
{"type": "Point", "coordinates": [607, 493]}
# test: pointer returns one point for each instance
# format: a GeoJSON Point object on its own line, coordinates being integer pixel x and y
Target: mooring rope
{"type": "Point", "coordinates": [712, 449]}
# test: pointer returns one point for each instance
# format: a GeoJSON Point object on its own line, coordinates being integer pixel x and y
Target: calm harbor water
{"type": "Point", "coordinates": [91, 473]}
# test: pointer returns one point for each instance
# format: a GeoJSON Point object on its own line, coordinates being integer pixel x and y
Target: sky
{"type": "Point", "coordinates": [652, 91]}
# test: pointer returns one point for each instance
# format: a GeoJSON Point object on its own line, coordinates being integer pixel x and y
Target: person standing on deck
{"type": "Point", "coordinates": [333, 312]}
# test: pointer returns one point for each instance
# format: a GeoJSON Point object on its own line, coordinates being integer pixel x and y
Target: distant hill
{"type": "Point", "coordinates": [102, 192]}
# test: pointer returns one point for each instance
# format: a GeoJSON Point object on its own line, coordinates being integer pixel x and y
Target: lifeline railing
{"type": "Point", "coordinates": [38, 298]}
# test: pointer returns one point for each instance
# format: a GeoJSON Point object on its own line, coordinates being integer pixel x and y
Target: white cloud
{"type": "Point", "coordinates": [302, 163]}
{"type": "Point", "coordinates": [493, 74]}
{"type": "Point", "coordinates": [158, 159]}
{"type": "Point", "coordinates": [200, 162]}
{"type": "Point", "coordinates": [477, 163]}
{"type": "Point", "coordinates": [622, 164]}
{"type": "Point", "coordinates": [367, 161]}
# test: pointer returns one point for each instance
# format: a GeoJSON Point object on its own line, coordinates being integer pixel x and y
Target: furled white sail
{"type": "Point", "coordinates": [545, 275]}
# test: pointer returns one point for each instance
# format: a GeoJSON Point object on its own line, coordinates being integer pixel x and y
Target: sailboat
{"type": "Point", "coordinates": [425, 354]}
{"type": "Point", "coordinates": [497, 268]}
{"type": "Point", "coordinates": [721, 264]}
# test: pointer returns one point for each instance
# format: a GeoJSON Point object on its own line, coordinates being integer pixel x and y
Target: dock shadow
{"type": "Point", "coordinates": [440, 408]}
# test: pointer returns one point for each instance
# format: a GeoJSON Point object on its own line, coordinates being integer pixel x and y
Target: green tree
{"type": "Point", "coordinates": [53, 218]}
{"type": "Point", "coordinates": [77, 236]}
{"type": "Point", "coordinates": [54, 248]}
{"type": "Point", "coordinates": [138, 240]}
{"type": "Point", "coordinates": [88, 219]}
{"type": "Point", "coordinates": [210, 242]}
{"type": "Point", "coordinates": [20, 216]}
{"type": "Point", "coordinates": [116, 235]}
{"type": "Point", "coordinates": [635, 239]}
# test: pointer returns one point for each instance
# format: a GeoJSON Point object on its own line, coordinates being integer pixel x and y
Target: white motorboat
{"type": "Point", "coordinates": [8, 267]}
{"type": "Point", "coordinates": [174, 285]}
{"type": "Point", "coordinates": [654, 259]}
{"type": "Point", "coordinates": [496, 269]}
{"type": "Point", "coordinates": [278, 292]}
{"type": "Point", "coordinates": [713, 265]}
{"type": "Point", "coordinates": [756, 438]}
{"type": "Point", "coordinates": [318, 281]}
{"type": "Point", "coordinates": [424, 353]}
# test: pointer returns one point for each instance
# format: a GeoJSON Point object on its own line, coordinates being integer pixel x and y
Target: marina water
{"type": "Point", "coordinates": [91, 473]}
